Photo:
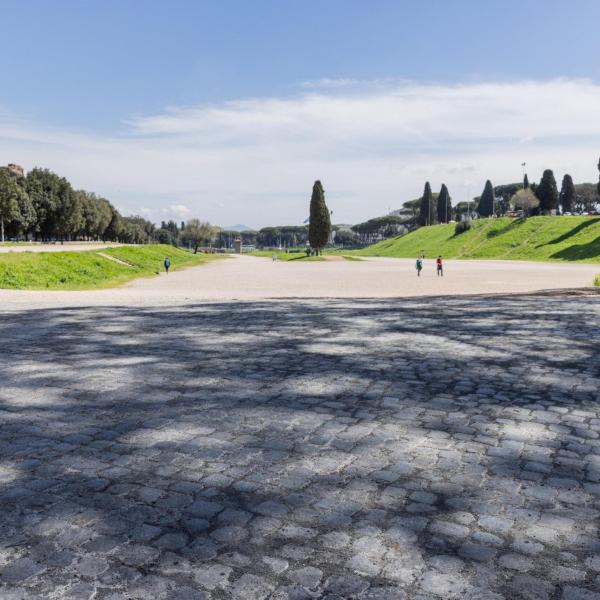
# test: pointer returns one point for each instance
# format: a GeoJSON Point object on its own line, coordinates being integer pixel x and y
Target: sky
{"type": "Point", "coordinates": [229, 110]}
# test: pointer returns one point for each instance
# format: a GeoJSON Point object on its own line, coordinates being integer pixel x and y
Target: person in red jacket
{"type": "Point", "coordinates": [440, 266]}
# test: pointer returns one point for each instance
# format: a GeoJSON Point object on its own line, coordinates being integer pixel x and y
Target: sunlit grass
{"type": "Point", "coordinates": [89, 269]}
{"type": "Point", "coordinates": [535, 238]}
{"type": "Point", "coordinates": [285, 256]}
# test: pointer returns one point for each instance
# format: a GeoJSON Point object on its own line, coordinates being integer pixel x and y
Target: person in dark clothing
{"type": "Point", "coordinates": [440, 266]}
{"type": "Point", "coordinates": [167, 264]}
{"type": "Point", "coordinates": [419, 266]}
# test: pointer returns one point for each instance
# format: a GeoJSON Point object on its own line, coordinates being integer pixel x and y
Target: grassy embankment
{"type": "Point", "coordinates": [299, 256]}
{"type": "Point", "coordinates": [564, 239]}
{"type": "Point", "coordinates": [286, 256]}
{"type": "Point", "coordinates": [102, 268]}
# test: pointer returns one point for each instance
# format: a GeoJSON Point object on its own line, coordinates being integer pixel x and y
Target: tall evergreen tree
{"type": "Point", "coordinates": [525, 182]}
{"type": "Point", "coordinates": [426, 207]}
{"type": "Point", "coordinates": [319, 228]}
{"type": "Point", "coordinates": [599, 177]}
{"type": "Point", "coordinates": [547, 192]}
{"type": "Point", "coordinates": [567, 193]}
{"type": "Point", "coordinates": [486, 202]}
{"type": "Point", "coordinates": [444, 205]}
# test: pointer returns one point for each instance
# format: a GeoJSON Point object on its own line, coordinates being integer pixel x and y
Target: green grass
{"type": "Point", "coordinates": [597, 281]}
{"type": "Point", "coordinates": [89, 269]}
{"type": "Point", "coordinates": [286, 256]}
{"type": "Point", "coordinates": [351, 257]}
{"type": "Point", "coordinates": [536, 238]}
{"type": "Point", "coordinates": [34, 243]}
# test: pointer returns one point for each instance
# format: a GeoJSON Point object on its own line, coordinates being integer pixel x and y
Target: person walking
{"type": "Point", "coordinates": [440, 266]}
{"type": "Point", "coordinates": [419, 266]}
{"type": "Point", "coordinates": [274, 257]}
{"type": "Point", "coordinates": [167, 264]}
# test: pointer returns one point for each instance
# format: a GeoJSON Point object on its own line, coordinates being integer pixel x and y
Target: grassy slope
{"type": "Point", "coordinates": [287, 256]}
{"type": "Point", "coordinates": [88, 269]}
{"type": "Point", "coordinates": [536, 238]}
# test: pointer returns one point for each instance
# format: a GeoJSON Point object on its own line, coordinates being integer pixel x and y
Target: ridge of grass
{"type": "Point", "coordinates": [88, 269]}
{"type": "Point", "coordinates": [285, 256]}
{"type": "Point", "coordinates": [564, 239]}
{"type": "Point", "coordinates": [351, 257]}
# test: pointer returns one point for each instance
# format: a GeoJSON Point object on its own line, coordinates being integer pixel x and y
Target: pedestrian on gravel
{"type": "Point", "coordinates": [419, 266]}
{"type": "Point", "coordinates": [167, 264]}
{"type": "Point", "coordinates": [274, 257]}
{"type": "Point", "coordinates": [440, 266]}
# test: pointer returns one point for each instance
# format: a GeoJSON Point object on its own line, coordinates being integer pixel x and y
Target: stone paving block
{"type": "Point", "coordinates": [326, 448]}
{"type": "Point", "coordinates": [212, 576]}
{"type": "Point", "coordinates": [577, 593]}
{"type": "Point", "coordinates": [251, 587]}
{"type": "Point", "coordinates": [532, 588]}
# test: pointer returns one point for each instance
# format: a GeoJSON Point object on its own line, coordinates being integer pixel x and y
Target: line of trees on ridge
{"type": "Point", "coordinates": [43, 206]}
{"type": "Point", "coordinates": [530, 199]}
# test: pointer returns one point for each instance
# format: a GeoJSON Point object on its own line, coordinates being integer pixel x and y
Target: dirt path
{"type": "Point", "coordinates": [246, 278]}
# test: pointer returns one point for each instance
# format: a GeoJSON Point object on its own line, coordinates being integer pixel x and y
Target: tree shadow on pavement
{"type": "Point", "coordinates": [439, 447]}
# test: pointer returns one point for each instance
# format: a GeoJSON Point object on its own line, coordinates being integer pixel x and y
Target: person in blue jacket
{"type": "Point", "coordinates": [167, 264]}
{"type": "Point", "coordinates": [419, 266]}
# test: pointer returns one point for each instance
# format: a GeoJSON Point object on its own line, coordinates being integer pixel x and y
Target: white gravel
{"type": "Point", "coordinates": [246, 278]}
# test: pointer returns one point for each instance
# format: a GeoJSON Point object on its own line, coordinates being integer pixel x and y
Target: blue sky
{"type": "Point", "coordinates": [231, 100]}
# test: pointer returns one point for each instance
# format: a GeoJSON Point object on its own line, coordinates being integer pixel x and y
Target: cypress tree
{"type": "Point", "coordinates": [319, 228]}
{"type": "Point", "coordinates": [426, 208]}
{"type": "Point", "coordinates": [567, 194]}
{"type": "Point", "coordinates": [525, 182]}
{"type": "Point", "coordinates": [547, 192]}
{"type": "Point", "coordinates": [486, 202]}
{"type": "Point", "coordinates": [444, 205]}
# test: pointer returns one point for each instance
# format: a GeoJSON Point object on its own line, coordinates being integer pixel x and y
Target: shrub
{"type": "Point", "coordinates": [461, 227]}
{"type": "Point", "coordinates": [597, 281]}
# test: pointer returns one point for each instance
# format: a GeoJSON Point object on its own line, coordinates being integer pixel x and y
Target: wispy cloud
{"type": "Point", "coordinates": [178, 209]}
{"type": "Point", "coordinates": [254, 160]}
{"type": "Point", "coordinates": [327, 83]}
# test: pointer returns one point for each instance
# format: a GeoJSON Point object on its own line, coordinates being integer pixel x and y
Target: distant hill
{"type": "Point", "coordinates": [237, 228]}
{"type": "Point", "coordinates": [535, 238]}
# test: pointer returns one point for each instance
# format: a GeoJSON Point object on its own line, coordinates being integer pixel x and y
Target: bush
{"type": "Point", "coordinates": [597, 281]}
{"type": "Point", "coordinates": [461, 227]}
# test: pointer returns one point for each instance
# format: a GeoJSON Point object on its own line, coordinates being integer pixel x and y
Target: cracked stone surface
{"type": "Point", "coordinates": [371, 449]}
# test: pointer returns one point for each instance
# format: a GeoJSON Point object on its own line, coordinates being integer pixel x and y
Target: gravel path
{"type": "Point", "coordinates": [372, 449]}
{"type": "Point", "coordinates": [246, 277]}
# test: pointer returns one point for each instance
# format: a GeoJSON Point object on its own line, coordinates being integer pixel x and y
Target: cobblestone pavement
{"type": "Point", "coordinates": [411, 449]}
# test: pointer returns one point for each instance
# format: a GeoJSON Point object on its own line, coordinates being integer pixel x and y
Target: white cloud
{"type": "Point", "coordinates": [254, 160]}
{"type": "Point", "coordinates": [327, 83]}
{"type": "Point", "coordinates": [178, 209]}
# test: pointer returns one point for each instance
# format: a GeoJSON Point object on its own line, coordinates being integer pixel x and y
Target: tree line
{"type": "Point", "coordinates": [543, 198]}
{"type": "Point", "coordinates": [42, 206]}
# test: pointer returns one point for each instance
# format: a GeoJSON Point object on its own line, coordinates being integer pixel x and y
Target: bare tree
{"type": "Point", "coordinates": [525, 200]}
{"type": "Point", "coordinates": [198, 232]}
